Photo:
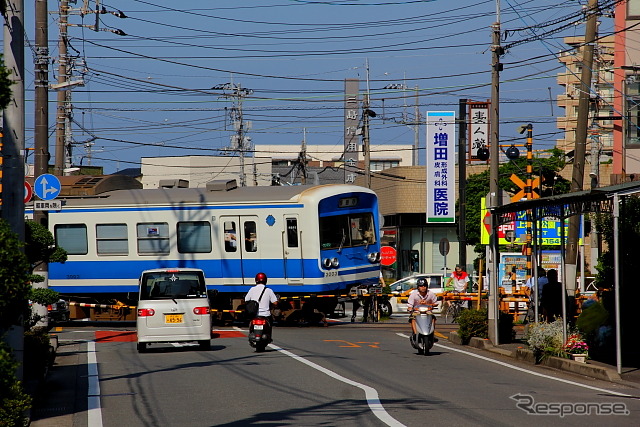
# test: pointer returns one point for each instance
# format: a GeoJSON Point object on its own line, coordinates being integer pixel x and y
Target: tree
{"type": "Point", "coordinates": [14, 278]}
{"type": "Point", "coordinates": [5, 85]}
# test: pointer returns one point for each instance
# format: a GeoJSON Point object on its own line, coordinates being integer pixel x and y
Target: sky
{"type": "Point", "coordinates": [149, 92]}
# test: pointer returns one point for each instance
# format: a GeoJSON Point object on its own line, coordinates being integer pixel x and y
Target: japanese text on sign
{"type": "Point", "coordinates": [478, 128]}
{"type": "Point", "coordinates": [441, 134]}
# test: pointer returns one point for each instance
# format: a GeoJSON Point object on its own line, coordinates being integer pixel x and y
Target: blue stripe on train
{"type": "Point", "coordinates": [180, 208]}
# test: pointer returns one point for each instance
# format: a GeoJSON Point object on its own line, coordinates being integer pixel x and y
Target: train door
{"type": "Point", "coordinates": [241, 246]}
{"type": "Point", "coordinates": [292, 250]}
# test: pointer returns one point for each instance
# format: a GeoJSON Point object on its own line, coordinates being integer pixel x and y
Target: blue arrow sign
{"type": "Point", "coordinates": [47, 186]}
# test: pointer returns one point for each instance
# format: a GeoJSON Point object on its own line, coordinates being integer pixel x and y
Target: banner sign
{"type": "Point", "coordinates": [351, 119]}
{"type": "Point", "coordinates": [548, 230]}
{"type": "Point", "coordinates": [478, 128]}
{"type": "Point", "coordinates": [441, 184]}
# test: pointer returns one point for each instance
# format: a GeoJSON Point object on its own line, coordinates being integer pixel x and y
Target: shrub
{"type": "Point", "coordinates": [14, 402]}
{"type": "Point", "coordinates": [37, 354]}
{"type": "Point", "coordinates": [545, 339]}
{"type": "Point", "coordinates": [473, 323]}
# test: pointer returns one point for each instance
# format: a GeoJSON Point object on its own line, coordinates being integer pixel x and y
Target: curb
{"type": "Point", "coordinates": [526, 355]}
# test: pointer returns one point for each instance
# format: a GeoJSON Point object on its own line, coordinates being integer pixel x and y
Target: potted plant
{"type": "Point", "coordinates": [576, 348]}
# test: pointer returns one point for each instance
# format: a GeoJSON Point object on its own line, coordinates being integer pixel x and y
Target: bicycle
{"type": "Point", "coordinates": [453, 310]}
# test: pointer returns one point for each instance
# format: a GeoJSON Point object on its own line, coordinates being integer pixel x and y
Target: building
{"type": "Point", "coordinates": [600, 141]}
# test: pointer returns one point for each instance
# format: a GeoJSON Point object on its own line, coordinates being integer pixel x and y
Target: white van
{"type": "Point", "coordinates": [173, 306]}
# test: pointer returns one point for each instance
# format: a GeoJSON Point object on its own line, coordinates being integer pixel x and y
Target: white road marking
{"type": "Point", "coordinates": [94, 413]}
{"type": "Point", "coordinates": [517, 368]}
{"type": "Point", "coordinates": [370, 393]}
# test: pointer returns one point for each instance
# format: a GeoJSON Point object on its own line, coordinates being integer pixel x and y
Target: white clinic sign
{"type": "Point", "coordinates": [441, 184]}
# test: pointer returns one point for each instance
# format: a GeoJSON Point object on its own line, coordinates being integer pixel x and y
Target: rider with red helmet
{"type": "Point", "coordinates": [265, 296]}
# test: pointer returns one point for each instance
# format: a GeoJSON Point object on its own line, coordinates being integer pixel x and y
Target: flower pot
{"type": "Point", "coordinates": [582, 358]}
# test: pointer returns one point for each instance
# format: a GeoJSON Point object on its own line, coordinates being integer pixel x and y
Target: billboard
{"type": "Point", "coordinates": [549, 230]}
{"type": "Point", "coordinates": [440, 164]}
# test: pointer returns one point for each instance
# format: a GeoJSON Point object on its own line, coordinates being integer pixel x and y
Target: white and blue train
{"type": "Point", "coordinates": [307, 239]}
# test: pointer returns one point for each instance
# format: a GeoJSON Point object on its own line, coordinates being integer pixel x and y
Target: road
{"type": "Point", "coordinates": [346, 374]}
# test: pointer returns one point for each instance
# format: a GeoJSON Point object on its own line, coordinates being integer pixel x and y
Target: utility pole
{"type": "Point", "coordinates": [63, 97]}
{"type": "Point", "coordinates": [13, 148]}
{"type": "Point", "coordinates": [365, 134]}
{"type": "Point", "coordinates": [494, 190]}
{"type": "Point", "coordinates": [580, 144]}
{"type": "Point", "coordinates": [239, 142]}
{"type": "Point", "coordinates": [416, 129]}
{"type": "Point", "coordinates": [41, 132]}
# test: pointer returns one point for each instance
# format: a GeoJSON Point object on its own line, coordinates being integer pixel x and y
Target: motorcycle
{"type": "Point", "coordinates": [424, 337]}
{"type": "Point", "coordinates": [260, 333]}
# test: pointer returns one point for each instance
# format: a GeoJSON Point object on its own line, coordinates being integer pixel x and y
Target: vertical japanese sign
{"type": "Point", "coordinates": [478, 128]}
{"type": "Point", "coordinates": [441, 140]}
{"type": "Point", "coordinates": [351, 117]}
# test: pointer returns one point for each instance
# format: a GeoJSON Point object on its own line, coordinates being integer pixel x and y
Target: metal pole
{"type": "Point", "coordinates": [365, 135]}
{"type": "Point", "coordinates": [616, 278]}
{"type": "Point", "coordinates": [494, 196]}
{"type": "Point", "coordinates": [462, 182]}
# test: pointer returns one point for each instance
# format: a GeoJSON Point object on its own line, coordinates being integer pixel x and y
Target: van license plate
{"type": "Point", "coordinates": [257, 327]}
{"type": "Point", "coordinates": [173, 318]}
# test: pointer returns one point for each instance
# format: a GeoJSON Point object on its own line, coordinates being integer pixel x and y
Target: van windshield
{"type": "Point", "coordinates": [162, 285]}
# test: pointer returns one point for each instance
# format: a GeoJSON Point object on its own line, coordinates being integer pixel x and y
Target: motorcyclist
{"type": "Point", "coordinates": [268, 299]}
{"type": "Point", "coordinates": [417, 297]}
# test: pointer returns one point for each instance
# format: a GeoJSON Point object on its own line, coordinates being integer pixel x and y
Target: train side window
{"type": "Point", "coordinates": [292, 232]}
{"type": "Point", "coordinates": [153, 238]}
{"type": "Point", "coordinates": [250, 236]}
{"type": "Point", "coordinates": [72, 238]}
{"type": "Point", "coordinates": [230, 236]}
{"type": "Point", "coordinates": [194, 237]}
{"type": "Point", "coordinates": [111, 239]}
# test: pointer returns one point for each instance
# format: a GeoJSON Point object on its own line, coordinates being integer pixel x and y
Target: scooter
{"type": "Point", "coordinates": [260, 333]}
{"type": "Point", "coordinates": [424, 330]}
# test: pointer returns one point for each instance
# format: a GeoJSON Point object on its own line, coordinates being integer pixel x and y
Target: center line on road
{"type": "Point", "coordinates": [371, 394]}
{"type": "Point", "coordinates": [517, 368]}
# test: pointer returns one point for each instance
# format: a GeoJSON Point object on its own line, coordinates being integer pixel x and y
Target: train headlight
{"type": "Point", "coordinates": [335, 263]}
{"type": "Point", "coordinates": [373, 257]}
{"type": "Point", "coordinates": [326, 262]}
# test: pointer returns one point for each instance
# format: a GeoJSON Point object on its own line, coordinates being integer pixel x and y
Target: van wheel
{"type": "Point", "coordinates": [205, 344]}
{"type": "Point", "coordinates": [142, 347]}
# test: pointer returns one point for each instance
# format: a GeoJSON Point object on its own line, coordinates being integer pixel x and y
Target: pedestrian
{"type": "Point", "coordinates": [552, 297]}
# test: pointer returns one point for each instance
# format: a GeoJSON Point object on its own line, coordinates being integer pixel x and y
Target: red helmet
{"type": "Point", "coordinates": [261, 279]}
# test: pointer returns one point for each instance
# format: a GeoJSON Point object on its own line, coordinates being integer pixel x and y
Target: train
{"type": "Point", "coordinates": [320, 240]}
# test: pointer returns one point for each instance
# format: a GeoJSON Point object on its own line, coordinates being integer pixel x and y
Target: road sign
{"type": "Point", "coordinates": [388, 255]}
{"type": "Point", "coordinates": [47, 186]}
{"type": "Point", "coordinates": [50, 205]}
{"type": "Point", "coordinates": [444, 246]}
{"type": "Point", "coordinates": [520, 183]}
{"type": "Point", "coordinates": [28, 192]}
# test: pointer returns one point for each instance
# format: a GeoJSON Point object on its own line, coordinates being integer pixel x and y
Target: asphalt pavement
{"type": "Point", "coordinates": [57, 400]}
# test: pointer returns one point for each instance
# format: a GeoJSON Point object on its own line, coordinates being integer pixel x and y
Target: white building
{"type": "Point", "coordinates": [198, 170]}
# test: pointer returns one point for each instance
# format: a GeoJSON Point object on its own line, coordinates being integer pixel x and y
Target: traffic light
{"type": "Point", "coordinates": [482, 154]}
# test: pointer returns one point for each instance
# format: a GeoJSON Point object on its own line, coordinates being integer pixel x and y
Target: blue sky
{"type": "Point", "coordinates": [149, 93]}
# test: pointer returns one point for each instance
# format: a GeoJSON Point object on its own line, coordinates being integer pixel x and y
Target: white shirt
{"type": "Point", "coordinates": [267, 298]}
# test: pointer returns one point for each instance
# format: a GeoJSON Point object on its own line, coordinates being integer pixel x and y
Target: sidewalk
{"type": "Point", "coordinates": [594, 369]}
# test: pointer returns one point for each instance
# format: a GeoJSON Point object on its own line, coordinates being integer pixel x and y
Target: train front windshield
{"type": "Point", "coordinates": [347, 230]}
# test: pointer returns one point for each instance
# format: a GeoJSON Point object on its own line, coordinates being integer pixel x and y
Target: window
{"type": "Point", "coordinates": [180, 284]}
{"type": "Point", "coordinates": [111, 239]}
{"type": "Point", "coordinates": [346, 230]}
{"type": "Point", "coordinates": [194, 237]}
{"type": "Point", "coordinates": [292, 232]}
{"type": "Point", "coordinates": [230, 236]}
{"type": "Point", "coordinates": [153, 238]}
{"type": "Point", "coordinates": [72, 238]}
{"type": "Point", "coordinates": [633, 9]}
{"type": "Point", "coordinates": [250, 237]}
